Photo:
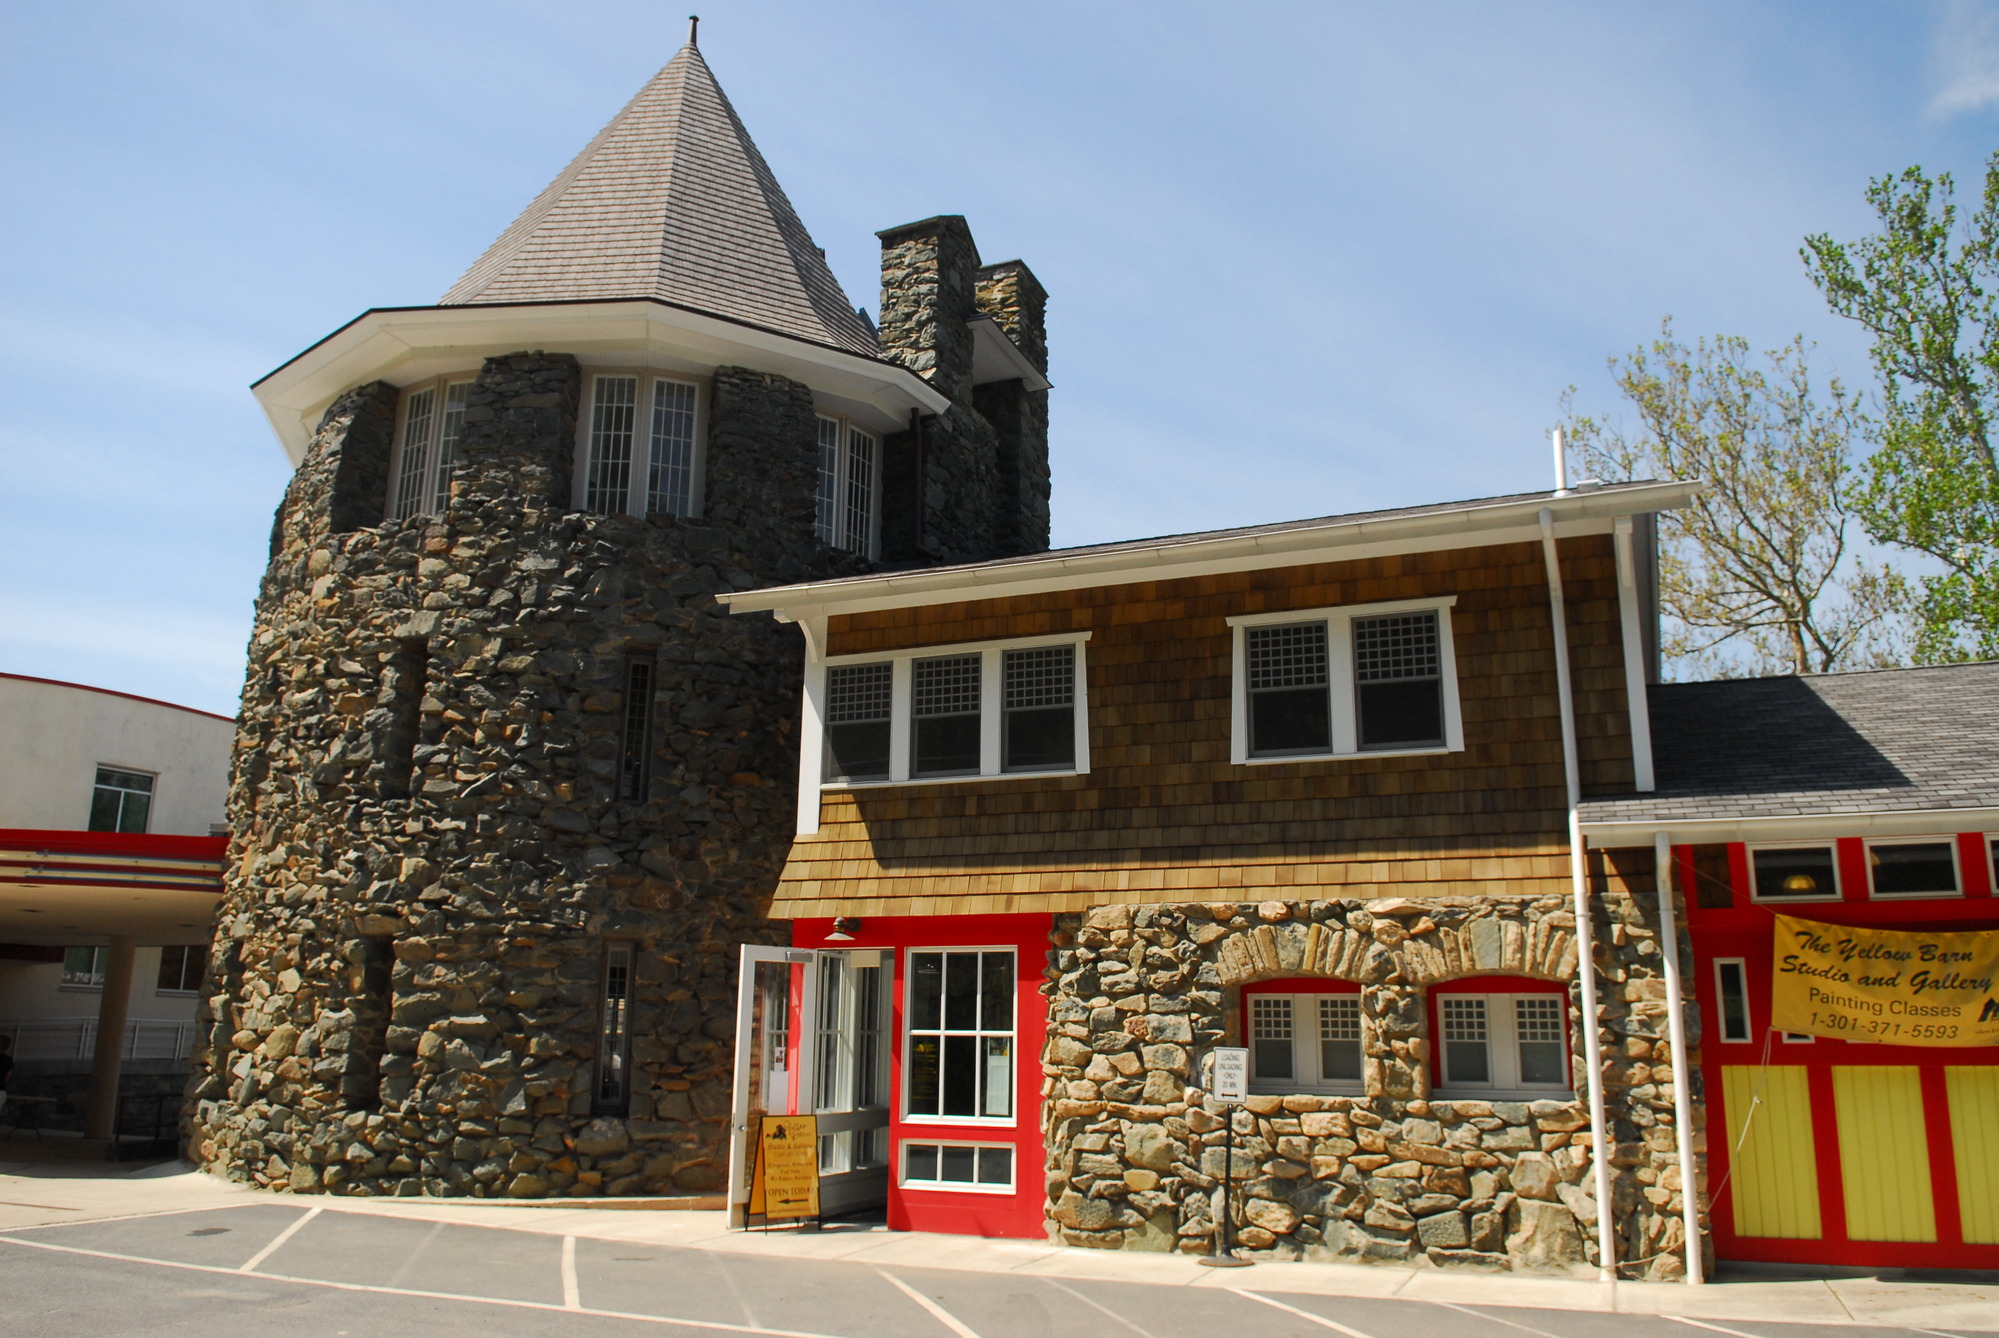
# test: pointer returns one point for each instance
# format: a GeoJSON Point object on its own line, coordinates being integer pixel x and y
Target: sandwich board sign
{"type": "Point", "coordinates": [786, 1183]}
{"type": "Point", "coordinates": [1228, 1078]}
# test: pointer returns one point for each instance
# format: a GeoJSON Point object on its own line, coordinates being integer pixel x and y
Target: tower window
{"type": "Point", "coordinates": [848, 482]}
{"type": "Point", "coordinates": [121, 801]}
{"type": "Point", "coordinates": [635, 751]}
{"type": "Point", "coordinates": [426, 454]}
{"type": "Point", "coordinates": [614, 1033]}
{"type": "Point", "coordinates": [641, 446]}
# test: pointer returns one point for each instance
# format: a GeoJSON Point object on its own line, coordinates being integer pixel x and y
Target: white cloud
{"type": "Point", "coordinates": [1967, 58]}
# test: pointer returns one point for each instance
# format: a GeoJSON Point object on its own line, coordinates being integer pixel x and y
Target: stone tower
{"type": "Point", "coordinates": [510, 787]}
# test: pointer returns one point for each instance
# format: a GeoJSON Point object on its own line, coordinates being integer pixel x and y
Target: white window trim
{"type": "Point", "coordinates": [908, 1034]}
{"type": "Point", "coordinates": [1501, 1047]}
{"type": "Point", "coordinates": [636, 491]}
{"type": "Point", "coordinates": [429, 482]}
{"type": "Point", "coordinates": [1956, 869]}
{"type": "Point", "coordinates": [1339, 676]}
{"type": "Point", "coordinates": [870, 547]}
{"type": "Point", "coordinates": [1720, 1010]}
{"type": "Point", "coordinates": [812, 749]}
{"type": "Point", "coordinates": [956, 1186]}
{"type": "Point", "coordinates": [1305, 1053]}
{"type": "Point", "coordinates": [1838, 879]}
{"type": "Point", "coordinates": [174, 994]}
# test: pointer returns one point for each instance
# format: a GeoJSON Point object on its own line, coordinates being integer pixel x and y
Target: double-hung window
{"type": "Point", "coordinates": [1305, 1041]}
{"type": "Point", "coordinates": [1503, 1042]}
{"type": "Point", "coordinates": [849, 481]}
{"type": "Point", "coordinates": [961, 1021]}
{"type": "Point", "coordinates": [1376, 678]}
{"type": "Point", "coordinates": [1913, 868]}
{"type": "Point", "coordinates": [640, 446]}
{"type": "Point", "coordinates": [954, 712]}
{"type": "Point", "coordinates": [433, 419]}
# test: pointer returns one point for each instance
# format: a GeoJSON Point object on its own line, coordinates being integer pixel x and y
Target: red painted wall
{"type": "Point", "coordinates": [1746, 930]}
{"type": "Point", "coordinates": [965, 1213]}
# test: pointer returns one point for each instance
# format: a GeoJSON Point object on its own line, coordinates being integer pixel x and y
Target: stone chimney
{"type": "Point", "coordinates": [1010, 294]}
{"type": "Point", "coordinates": [930, 274]}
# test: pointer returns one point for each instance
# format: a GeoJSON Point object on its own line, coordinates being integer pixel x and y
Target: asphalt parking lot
{"type": "Point", "coordinates": [302, 1271]}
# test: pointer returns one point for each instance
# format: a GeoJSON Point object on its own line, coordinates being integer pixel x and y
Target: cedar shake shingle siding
{"type": "Point", "coordinates": [671, 201]}
{"type": "Point", "coordinates": [1163, 814]}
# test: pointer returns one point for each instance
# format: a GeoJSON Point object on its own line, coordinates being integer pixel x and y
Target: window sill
{"type": "Point", "coordinates": [948, 780]}
{"type": "Point", "coordinates": [1955, 895]}
{"type": "Point", "coordinates": [1795, 901]}
{"type": "Point", "coordinates": [953, 1187]}
{"type": "Point", "coordinates": [1351, 1090]}
{"type": "Point", "coordinates": [1435, 751]}
{"type": "Point", "coordinates": [80, 989]}
{"type": "Point", "coordinates": [962, 1121]}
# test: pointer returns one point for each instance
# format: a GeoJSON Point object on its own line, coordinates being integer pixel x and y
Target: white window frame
{"type": "Point", "coordinates": [433, 485]}
{"type": "Point", "coordinates": [1720, 1003]}
{"type": "Point", "coordinates": [1956, 868]}
{"type": "Point", "coordinates": [200, 969]}
{"type": "Point", "coordinates": [812, 750]}
{"type": "Point", "coordinates": [1019, 1094]}
{"type": "Point", "coordinates": [1756, 896]}
{"type": "Point", "coordinates": [152, 794]}
{"type": "Point", "coordinates": [1305, 1053]}
{"type": "Point", "coordinates": [1502, 1049]}
{"type": "Point", "coordinates": [1340, 681]}
{"type": "Point", "coordinates": [840, 534]}
{"type": "Point", "coordinates": [955, 1186]}
{"type": "Point", "coordinates": [99, 960]}
{"type": "Point", "coordinates": [638, 488]}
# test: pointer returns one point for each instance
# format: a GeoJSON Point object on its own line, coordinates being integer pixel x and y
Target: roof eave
{"type": "Point", "coordinates": [1471, 525]}
{"type": "Point", "coordinates": [1626, 832]}
{"type": "Point", "coordinates": [375, 344]}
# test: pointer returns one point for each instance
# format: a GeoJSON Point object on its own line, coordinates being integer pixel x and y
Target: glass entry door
{"type": "Point", "coordinates": [812, 1038]}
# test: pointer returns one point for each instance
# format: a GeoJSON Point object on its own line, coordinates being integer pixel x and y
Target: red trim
{"type": "Point", "coordinates": [1943, 1155]}
{"type": "Point", "coordinates": [115, 845]}
{"type": "Point", "coordinates": [113, 692]}
{"type": "Point", "coordinates": [969, 1213]}
{"type": "Point", "coordinates": [1856, 880]}
{"type": "Point", "coordinates": [1974, 863]}
{"type": "Point", "coordinates": [1825, 1154]}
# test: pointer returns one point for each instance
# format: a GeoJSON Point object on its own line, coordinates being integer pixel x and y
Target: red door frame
{"type": "Point", "coordinates": [1745, 930]}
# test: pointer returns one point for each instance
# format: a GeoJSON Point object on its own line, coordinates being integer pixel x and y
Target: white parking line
{"type": "Point", "coordinates": [278, 1240]}
{"type": "Point", "coordinates": [1094, 1306]}
{"type": "Point", "coordinates": [1480, 1314]}
{"type": "Point", "coordinates": [409, 1291]}
{"type": "Point", "coordinates": [572, 1292]}
{"type": "Point", "coordinates": [1703, 1324]}
{"type": "Point", "coordinates": [937, 1312]}
{"type": "Point", "coordinates": [1303, 1314]}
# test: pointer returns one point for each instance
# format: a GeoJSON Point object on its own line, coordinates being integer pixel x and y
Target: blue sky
{"type": "Point", "coordinates": [1304, 258]}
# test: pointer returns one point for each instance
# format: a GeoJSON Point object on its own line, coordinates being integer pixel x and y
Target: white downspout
{"type": "Point", "coordinates": [1676, 1033]}
{"type": "Point", "coordinates": [1606, 1237]}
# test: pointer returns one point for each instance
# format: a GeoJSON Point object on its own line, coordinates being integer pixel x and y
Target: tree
{"type": "Point", "coordinates": [1925, 291]}
{"type": "Point", "coordinates": [1758, 575]}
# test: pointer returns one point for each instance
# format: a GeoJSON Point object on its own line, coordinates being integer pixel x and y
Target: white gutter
{"type": "Point", "coordinates": [1676, 1034]}
{"type": "Point", "coordinates": [1625, 833]}
{"type": "Point", "coordinates": [1606, 1237]}
{"type": "Point", "coordinates": [1636, 701]}
{"type": "Point", "coordinates": [1335, 538]}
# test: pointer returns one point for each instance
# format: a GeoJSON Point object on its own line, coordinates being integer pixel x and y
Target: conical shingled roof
{"type": "Point", "coordinates": [671, 200]}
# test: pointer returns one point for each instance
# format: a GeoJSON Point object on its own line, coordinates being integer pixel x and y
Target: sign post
{"type": "Point", "coordinates": [1228, 1083]}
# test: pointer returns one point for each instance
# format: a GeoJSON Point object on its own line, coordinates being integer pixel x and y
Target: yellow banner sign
{"type": "Point", "coordinates": [786, 1183]}
{"type": "Point", "coordinates": [1897, 987]}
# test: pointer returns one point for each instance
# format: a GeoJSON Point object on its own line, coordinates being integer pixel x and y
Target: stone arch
{"type": "Point", "coordinates": [1268, 952]}
{"type": "Point", "coordinates": [1496, 945]}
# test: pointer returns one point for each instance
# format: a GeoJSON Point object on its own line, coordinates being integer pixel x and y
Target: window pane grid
{"type": "Point", "coordinates": [1039, 678]}
{"type": "Point", "coordinates": [1270, 1019]}
{"type": "Point", "coordinates": [1289, 656]}
{"type": "Point", "coordinates": [613, 410]}
{"type": "Point", "coordinates": [1464, 1019]}
{"type": "Point", "coordinates": [1539, 1019]}
{"type": "Point", "coordinates": [417, 415]}
{"type": "Point", "coordinates": [1400, 646]}
{"type": "Point", "coordinates": [827, 523]}
{"type": "Point", "coordinates": [456, 397]}
{"type": "Point", "coordinates": [857, 693]}
{"type": "Point", "coordinates": [670, 482]}
{"type": "Point", "coordinates": [860, 489]}
{"type": "Point", "coordinates": [946, 687]}
{"type": "Point", "coordinates": [961, 1033]}
{"type": "Point", "coordinates": [1339, 1018]}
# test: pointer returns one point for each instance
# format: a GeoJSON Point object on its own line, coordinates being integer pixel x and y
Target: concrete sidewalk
{"type": "Point", "coordinates": [47, 1194]}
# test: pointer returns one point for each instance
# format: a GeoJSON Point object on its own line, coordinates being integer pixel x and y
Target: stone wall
{"type": "Point", "coordinates": [428, 848]}
{"type": "Point", "coordinates": [1138, 994]}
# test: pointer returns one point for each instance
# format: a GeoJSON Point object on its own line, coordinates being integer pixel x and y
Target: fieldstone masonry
{"type": "Point", "coordinates": [1137, 995]}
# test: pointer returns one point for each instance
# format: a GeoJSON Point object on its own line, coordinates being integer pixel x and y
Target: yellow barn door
{"type": "Point", "coordinates": [1974, 1130]}
{"type": "Point", "coordinates": [1884, 1153]}
{"type": "Point", "coordinates": [1773, 1168]}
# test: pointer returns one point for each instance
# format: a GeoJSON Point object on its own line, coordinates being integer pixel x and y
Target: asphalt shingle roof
{"type": "Point", "coordinates": [1891, 740]}
{"type": "Point", "coordinates": [672, 201]}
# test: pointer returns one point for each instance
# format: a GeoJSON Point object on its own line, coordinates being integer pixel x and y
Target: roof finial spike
{"type": "Point", "coordinates": [694, 31]}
